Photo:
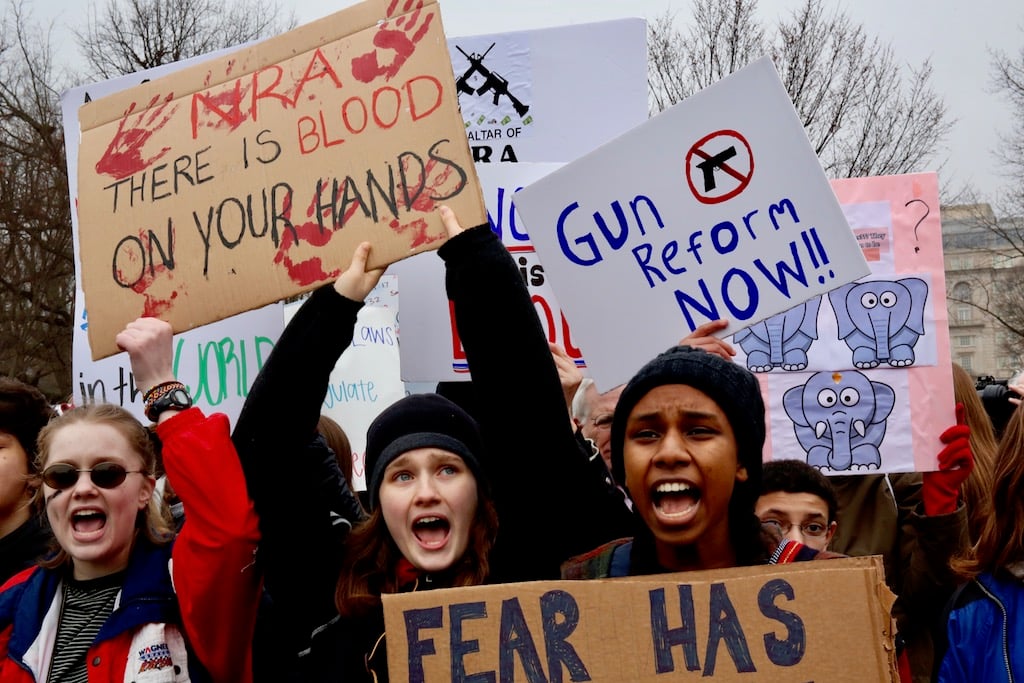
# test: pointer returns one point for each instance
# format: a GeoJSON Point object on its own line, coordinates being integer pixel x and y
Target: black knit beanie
{"type": "Point", "coordinates": [731, 386]}
{"type": "Point", "coordinates": [421, 421]}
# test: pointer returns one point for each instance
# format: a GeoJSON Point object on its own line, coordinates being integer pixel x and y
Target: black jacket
{"type": "Point", "coordinates": [550, 504]}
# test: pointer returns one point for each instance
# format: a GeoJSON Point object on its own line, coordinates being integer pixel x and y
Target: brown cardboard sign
{"type": "Point", "coordinates": [811, 621]}
{"type": "Point", "coordinates": [253, 176]}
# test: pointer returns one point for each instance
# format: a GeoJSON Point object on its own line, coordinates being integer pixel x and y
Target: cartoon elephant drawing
{"type": "Point", "coordinates": [839, 419]}
{"type": "Point", "coordinates": [881, 320]}
{"type": "Point", "coordinates": [782, 340]}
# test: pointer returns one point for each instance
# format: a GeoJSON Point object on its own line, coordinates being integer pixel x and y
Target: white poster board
{"type": "Point", "coordinates": [550, 94]}
{"type": "Point", "coordinates": [559, 107]}
{"type": "Point", "coordinates": [715, 208]}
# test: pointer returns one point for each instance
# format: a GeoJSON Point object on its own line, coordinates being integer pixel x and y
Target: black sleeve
{"type": "Point", "coordinates": [551, 505]}
{"type": "Point", "coordinates": [293, 483]}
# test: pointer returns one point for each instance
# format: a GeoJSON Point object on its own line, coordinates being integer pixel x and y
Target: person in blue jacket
{"type": "Point", "coordinates": [983, 636]}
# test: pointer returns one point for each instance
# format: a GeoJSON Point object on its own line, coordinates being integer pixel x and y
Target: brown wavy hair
{"type": "Point", "coordinates": [338, 441]}
{"type": "Point", "coordinates": [371, 560]}
{"type": "Point", "coordinates": [1001, 536]}
{"type": "Point", "coordinates": [154, 520]}
{"type": "Point", "coordinates": [977, 490]}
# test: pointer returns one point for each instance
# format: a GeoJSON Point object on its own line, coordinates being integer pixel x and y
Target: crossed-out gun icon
{"type": "Point", "coordinates": [493, 82]}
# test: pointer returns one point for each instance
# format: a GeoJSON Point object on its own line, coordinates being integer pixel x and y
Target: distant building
{"type": "Point", "coordinates": [984, 268]}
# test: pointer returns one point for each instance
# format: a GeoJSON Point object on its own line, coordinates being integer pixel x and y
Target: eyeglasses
{"type": "Point", "coordinates": [602, 421]}
{"type": "Point", "coordinates": [813, 529]}
{"type": "Point", "coordinates": [106, 475]}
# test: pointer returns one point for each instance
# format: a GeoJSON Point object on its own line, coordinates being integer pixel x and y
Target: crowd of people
{"type": "Point", "coordinates": [486, 482]}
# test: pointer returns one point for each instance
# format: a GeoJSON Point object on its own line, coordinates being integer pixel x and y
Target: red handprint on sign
{"type": "Point", "coordinates": [396, 41]}
{"type": "Point", "coordinates": [123, 156]}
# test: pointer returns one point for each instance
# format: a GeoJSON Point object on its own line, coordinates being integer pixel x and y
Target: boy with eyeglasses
{"type": "Point", "coordinates": [798, 501]}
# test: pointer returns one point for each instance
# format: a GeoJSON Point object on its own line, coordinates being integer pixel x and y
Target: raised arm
{"type": "Point", "coordinates": [293, 484]}
{"type": "Point", "coordinates": [550, 503]}
{"type": "Point", "coordinates": [213, 569]}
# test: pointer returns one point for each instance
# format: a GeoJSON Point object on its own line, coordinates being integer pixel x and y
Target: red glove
{"type": "Point", "coordinates": [941, 490]}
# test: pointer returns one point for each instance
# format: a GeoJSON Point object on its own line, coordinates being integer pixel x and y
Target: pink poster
{"type": "Point", "coordinates": [858, 380]}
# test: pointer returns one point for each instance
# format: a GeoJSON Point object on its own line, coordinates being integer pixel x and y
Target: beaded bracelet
{"type": "Point", "coordinates": [161, 390]}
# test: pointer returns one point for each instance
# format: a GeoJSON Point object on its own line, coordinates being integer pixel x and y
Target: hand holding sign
{"type": "Point", "coordinates": [703, 338]}
{"type": "Point", "coordinates": [357, 282]}
{"type": "Point", "coordinates": [452, 227]}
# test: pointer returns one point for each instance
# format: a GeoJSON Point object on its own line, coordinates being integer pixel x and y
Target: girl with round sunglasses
{"type": "Point", "coordinates": [498, 491]}
{"type": "Point", "coordinates": [121, 598]}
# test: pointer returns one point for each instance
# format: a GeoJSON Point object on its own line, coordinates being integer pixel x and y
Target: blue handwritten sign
{"type": "Point", "coordinates": [716, 208]}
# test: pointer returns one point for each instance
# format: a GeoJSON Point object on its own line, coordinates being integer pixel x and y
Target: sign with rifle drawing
{"type": "Point", "coordinates": [535, 95]}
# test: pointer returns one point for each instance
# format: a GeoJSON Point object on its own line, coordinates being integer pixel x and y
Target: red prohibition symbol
{"type": "Point", "coordinates": [719, 166]}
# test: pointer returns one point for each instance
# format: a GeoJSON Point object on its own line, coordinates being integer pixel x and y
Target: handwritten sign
{"type": "Point", "coordinates": [251, 177]}
{"type": "Point", "coordinates": [715, 208]}
{"type": "Point", "coordinates": [752, 623]}
{"type": "Point", "coordinates": [218, 362]}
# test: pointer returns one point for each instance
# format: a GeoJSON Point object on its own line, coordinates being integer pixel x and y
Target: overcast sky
{"type": "Point", "coordinates": [957, 35]}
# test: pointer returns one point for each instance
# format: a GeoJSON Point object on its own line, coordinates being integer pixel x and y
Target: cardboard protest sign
{"type": "Point", "coordinates": [218, 362]}
{"type": "Point", "coordinates": [859, 379]}
{"type": "Point", "coordinates": [525, 96]}
{"type": "Point", "coordinates": [251, 177]}
{"type": "Point", "coordinates": [772, 623]}
{"type": "Point", "coordinates": [715, 208]}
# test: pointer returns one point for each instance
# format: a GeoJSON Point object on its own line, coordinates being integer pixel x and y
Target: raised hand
{"type": "Point", "coordinates": [357, 282]}
{"type": "Point", "coordinates": [702, 338]}
{"type": "Point", "coordinates": [940, 490]}
{"type": "Point", "coordinates": [451, 224]}
{"type": "Point", "coordinates": [148, 342]}
{"type": "Point", "coordinates": [569, 375]}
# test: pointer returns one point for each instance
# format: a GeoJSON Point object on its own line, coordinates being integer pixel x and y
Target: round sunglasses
{"type": "Point", "coordinates": [106, 475]}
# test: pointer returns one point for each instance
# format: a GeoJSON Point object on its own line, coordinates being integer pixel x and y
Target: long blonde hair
{"type": "Point", "coordinates": [977, 490]}
{"type": "Point", "coordinates": [153, 520]}
{"type": "Point", "coordinates": [1001, 536]}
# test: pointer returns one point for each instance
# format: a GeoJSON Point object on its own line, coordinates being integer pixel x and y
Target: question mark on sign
{"type": "Point", "coordinates": [927, 210]}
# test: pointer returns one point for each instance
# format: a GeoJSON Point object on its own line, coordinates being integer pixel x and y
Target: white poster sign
{"type": "Point", "coordinates": [550, 94]}
{"type": "Point", "coordinates": [715, 208]}
{"type": "Point", "coordinates": [525, 96]}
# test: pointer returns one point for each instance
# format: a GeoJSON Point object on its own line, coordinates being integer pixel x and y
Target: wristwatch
{"type": "Point", "coordinates": [177, 398]}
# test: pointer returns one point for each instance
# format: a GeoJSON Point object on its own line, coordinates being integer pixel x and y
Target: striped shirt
{"type": "Point", "coordinates": [86, 606]}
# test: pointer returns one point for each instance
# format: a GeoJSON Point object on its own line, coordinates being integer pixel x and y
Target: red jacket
{"type": "Point", "coordinates": [186, 611]}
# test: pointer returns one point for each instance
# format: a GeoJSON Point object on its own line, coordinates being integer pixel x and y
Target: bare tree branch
{"type": "Point", "coordinates": [125, 36]}
{"type": "Point", "coordinates": [864, 114]}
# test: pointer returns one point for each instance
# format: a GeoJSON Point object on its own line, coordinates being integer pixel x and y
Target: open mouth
{"type": "Point", "coordinates": [675, 499]}
{"type": "Point", "coordinates": [432, 531]}
{"type": "Point", "coordinates": [88, 521]}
